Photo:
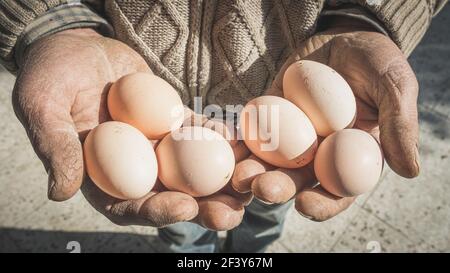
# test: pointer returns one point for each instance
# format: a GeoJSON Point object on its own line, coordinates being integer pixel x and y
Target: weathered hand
{"type": "Point", "coordinates": [386, 93]}
{"type": "Point", "coordinates": [60, 94]}
{"type": "Point", "coordinates": [220, 211]}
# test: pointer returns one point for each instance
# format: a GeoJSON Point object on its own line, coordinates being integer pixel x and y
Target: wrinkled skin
{"type": "Point", "coordinates": [60, 94]}
{"type": "Point", "coordinates": [386, 91]}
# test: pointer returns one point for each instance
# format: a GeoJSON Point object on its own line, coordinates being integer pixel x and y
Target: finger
{"type": "Point", "coordinates": [219, 212]}
{"type": "Point", "coordinates": [53, 135]}
{"type": "Point", "coordinates": [240, 151]}
{"type": "Point", "coordinates": [319, 205]}
{"type": "Point", "coordinates": [367, 118]}
{"type": "Point", "coordinates": [279, 186]}
{"type": "Point", "coordinates": [246, 171]}
{"type": "Point", "coordinates": [156, 209]}
{"type": "Point", "coordinates": [244, 198]}
{"type": "Point", "coordinates": [398, 119]}
{"type": "Point", "coordinates": [273, 187]}
{"type": "Point", "coordinates": [229, 132]}
{"type": "Point", "coordinates": [167, 208]}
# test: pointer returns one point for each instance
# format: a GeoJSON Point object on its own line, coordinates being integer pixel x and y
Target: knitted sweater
{"type": "Point", "coordinates": [227, 52]}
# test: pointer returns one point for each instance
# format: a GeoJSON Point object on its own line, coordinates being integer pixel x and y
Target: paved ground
{"type": "Point", "coordinates": [398, 216]}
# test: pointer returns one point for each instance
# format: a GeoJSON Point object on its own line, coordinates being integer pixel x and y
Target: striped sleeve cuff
{"type": "Point", "coordinates": [59, 18]}
{"type": "Point", "coordinates": [15, 15]}
{"type": "Point", "coordinates": [357, 13]}
{"type": "Point", "coordinates": [406, 21]}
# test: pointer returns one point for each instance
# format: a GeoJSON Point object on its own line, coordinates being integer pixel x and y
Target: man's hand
{"type": "Point", "coordinates": [60, 94]}
{"type": "Point", "coordinates": [386, 93]}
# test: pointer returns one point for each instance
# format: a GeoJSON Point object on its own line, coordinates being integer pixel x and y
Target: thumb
{"type": "Point", "coordinates": [398, 118]}
{"type": "Point", "coordinates": [55, 140]}
{"type": "Point", "coordinates": [65, 162]}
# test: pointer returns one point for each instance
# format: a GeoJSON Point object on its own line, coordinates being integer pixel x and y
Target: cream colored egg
{"type": "Point", "coordinates": [120, 160]}
{"type": "Point", "coordinates": [348, 163]}
{"type": "Point", "coordinates": [147, 102]}
{"type": "Point", "coordinates": [278, 132]}
{"type": "Point", "coordinates": [324, 96]}
{"type": "Point", "coordinates": [195, 160]}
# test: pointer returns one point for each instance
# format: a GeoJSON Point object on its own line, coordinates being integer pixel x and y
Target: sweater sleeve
{"type": "Point", "coordinates": [24, 21]}
{"type": "Point", "coordinates": [405, 21]}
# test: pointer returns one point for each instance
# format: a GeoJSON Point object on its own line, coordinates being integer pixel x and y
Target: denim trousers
{"type": "Point", "coordinates": [262, 224]}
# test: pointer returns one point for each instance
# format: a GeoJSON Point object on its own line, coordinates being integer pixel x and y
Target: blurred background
{"type": "Point", "coordinates": [398, 216]}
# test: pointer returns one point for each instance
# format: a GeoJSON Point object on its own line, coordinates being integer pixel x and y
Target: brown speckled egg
{"type": "Point", "coordinates": [278, 132]}
{"type": "Point", "coordinates": [324, 96]}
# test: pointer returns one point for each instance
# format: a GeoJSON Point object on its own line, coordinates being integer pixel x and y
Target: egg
{"type": "Point", "coordinates": [278, 132]}
{"type": "Point", "coordinates": [348, 163]}
{"type": "Point", "coordinates": [324, 96]}
{"type": "Point", "coordinates": [147, 102]}
{"type": "Point", "coordinates": [195, 160]}
{"type": "Point", "coordinates": [120, 160]}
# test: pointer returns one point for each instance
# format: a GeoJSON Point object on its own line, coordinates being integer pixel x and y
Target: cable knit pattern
{"type": "Point", "coordinates": [14, 17]}
{"type": "Point", "coordinates": [405, 20]}
{"type": "Point", "coordinates": [229, 51]}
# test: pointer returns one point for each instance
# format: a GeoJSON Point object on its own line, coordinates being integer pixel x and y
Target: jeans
{"type": "Point", "coordinates": [262, 224]}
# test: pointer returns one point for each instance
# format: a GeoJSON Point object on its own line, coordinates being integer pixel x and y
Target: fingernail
{"type": "Point", "coordinates": [306, 216]}
{"type": "Point", "coordinates": [54, 193]}
{"type": "Point", "coordinates": [51, 185]}
{"type": "Point", "coordinates": [264, 201]}
{"type": "Point", "coordinates": [417, 159]}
